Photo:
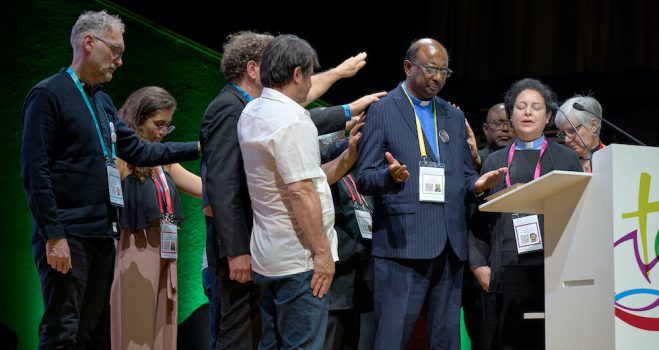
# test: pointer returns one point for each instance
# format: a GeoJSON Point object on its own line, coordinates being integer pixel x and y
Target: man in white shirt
{"type": "Point", "coordinates": [293, 245]}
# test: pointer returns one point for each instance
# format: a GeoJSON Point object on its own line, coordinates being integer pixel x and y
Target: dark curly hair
{"type": "Point", "coordinates": [528, 83]}
{"type": "Point", "coordinates": [240, 48]}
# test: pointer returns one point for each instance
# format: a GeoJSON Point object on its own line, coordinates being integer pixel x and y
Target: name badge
{"type": "Point", "coordinates": [527, 234]}
{"type": "Point", "coordinates": [114, 186]}
{"type": "Point", "coordinates": [365, 222]}
{"type": "Point", "coordinates": [431, 182]}
{"type": "Point", "coordinates": [168, 240]}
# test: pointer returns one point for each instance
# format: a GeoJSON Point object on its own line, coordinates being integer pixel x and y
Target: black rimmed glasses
{"type": "Point", "coordinates": [498, 124]}
{"type": "Point", "coordinates": [445, 72]}
{"type": "Point", "coordinates": [115, 49]}
{"type": "Point", "coordinates": [569, 132]}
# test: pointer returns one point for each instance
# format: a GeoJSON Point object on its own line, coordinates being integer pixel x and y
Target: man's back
{"type": "Point", "coordinates": [273, 133]}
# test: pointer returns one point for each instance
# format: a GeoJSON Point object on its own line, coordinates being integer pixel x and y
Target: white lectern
{"type": "Point", "coordinates": [601, 246]}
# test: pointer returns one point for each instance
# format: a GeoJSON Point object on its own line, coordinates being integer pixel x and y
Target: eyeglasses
{"type": "Point", "coordinates": [569, 132]}
{"type": "Point", "coordinates": [166, 129]}
{"type": "Point", "coordinates": [115, 49]}
{"type": "Point", "coordinates": [498, 124]}
{"type": "Point", "coordinates": [445, 72]}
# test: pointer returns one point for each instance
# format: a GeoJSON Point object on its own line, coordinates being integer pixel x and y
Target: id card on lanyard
{"type": "Point", "coordinates": [527, 234]}
{"type": "Point", "coordinates": [431, 174]}
{"type": "Point", "coordinates": [362, 212]}
{"type": "Point", "coordinates": [114, 178]}
{"type": "Point", "coordinates": [168, 229]}
{"type": "Point", "coordinates": [114, 184]}
{"type": "Point", "coordinates": [431, 182]}
{"type": "Point", "coordinates": [527, 228]}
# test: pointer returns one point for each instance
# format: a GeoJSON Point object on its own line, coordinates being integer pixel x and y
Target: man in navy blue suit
{"type": "Point", "coordinates": [415, 161]}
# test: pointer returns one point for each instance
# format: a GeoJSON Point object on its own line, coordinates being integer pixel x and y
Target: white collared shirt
{"type": "Point", "coordinates": [279, 146]}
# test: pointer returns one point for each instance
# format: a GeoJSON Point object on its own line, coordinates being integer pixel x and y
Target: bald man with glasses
{"type": "Point", "coordinates": [497, 129]}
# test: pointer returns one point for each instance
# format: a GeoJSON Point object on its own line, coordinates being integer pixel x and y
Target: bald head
{"type": "Point", "coordinates": [495, 112]}
{"type": "Point", "coordinates": [426, 68]}
{"type": "Point", "coordinates": [496, 128]}
{"type": "Point", "coordinates": [429, 45]}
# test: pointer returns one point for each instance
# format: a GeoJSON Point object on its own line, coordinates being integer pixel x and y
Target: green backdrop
{"type": "Point", "coordinates": [36, 46]}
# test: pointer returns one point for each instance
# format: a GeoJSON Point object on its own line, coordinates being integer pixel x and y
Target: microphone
{"type": "Point", "coordinates": [580, 107]}
{"type": "Point", "coordinates": [554, 105]}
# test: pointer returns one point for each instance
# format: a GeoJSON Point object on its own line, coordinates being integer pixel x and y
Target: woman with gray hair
{"type": "Point", "coordinates": [587, 125]}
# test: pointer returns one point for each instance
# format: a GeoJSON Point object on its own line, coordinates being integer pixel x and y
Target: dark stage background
{"type": "Point", "coordinates": [609, 48]}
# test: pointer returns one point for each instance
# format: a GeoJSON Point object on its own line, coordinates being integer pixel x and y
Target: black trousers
{"type": "Point", "coordinates": [472, 300]}
{"type": "Point", "coordinates": [76, 304]}
{"type": "Point", "coordinates": [521, 290]}
{"type": "Point", "coordinates": [342, 330]}
{"type": "Point", "coordinates": [240, 321]}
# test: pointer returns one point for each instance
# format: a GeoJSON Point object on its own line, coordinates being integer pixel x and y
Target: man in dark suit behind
{"type": "Point", "coordinates": [419, 243]}
{"type": "Point", "coordinates": [226, 195]}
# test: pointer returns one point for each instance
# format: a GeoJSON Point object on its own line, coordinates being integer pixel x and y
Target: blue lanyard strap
{"type": "Point", "coordinates": [76, 81]}
{"type": "Point", "coordinates": [247, 96]}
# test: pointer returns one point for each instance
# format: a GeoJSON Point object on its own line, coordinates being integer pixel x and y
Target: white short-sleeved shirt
{"type": "Point", "coordinates": [279, 145]}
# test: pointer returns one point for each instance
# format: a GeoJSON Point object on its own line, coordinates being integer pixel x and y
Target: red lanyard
{"type": "Point", "coordinates": [353, 194]}
{"type": "Point", "coordinates": [511, 152]}
{"type": "Point", "coordinates": [163, 191]}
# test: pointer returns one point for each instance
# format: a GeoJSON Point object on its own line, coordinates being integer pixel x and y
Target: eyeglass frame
{"type": "Point", "coordinates": [113, 47]}
{"type": "Point", "coordinates": [569, 132]}
{"type": "Point", "coordinates": [445, 72]}
{"type": "Point", "coordinates": [507, 122]}
{"type": "Point", "coordinates": [167, 128]}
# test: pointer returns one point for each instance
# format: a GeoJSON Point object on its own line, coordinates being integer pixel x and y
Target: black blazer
{"type": "Point", "coordinates": [223, 175]}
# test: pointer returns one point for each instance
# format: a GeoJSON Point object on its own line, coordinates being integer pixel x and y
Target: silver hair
{"type": "Point", "coordinates": [581, 117]}
{"type": "Point", "coordinates": [96, 23]}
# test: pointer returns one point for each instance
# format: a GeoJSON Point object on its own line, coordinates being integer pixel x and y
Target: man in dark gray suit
{"type": "Point", "coordinates": [415, 162]}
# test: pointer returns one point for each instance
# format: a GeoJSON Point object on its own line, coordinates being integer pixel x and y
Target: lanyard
{"type": "Point", "coordinates": [76, 81]}
{"type": "Point", "coordinates": [247, 96]}
{"type": "Point", "coordinates": [353, 194]}
{"type": "Point", "coordinates": [163, 191]}
{"type": "Point", "coordinates": [419, 132]}
{"type": "Point", "coordinates": [511, 152]}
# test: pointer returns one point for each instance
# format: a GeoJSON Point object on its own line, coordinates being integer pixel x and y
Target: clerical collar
{"type": "Point", "coordinates": [417, 102]}
{"type": "Point", "coordinates": [530, 145]}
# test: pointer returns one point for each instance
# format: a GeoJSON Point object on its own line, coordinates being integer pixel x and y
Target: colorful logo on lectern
{"type": "Point", "coordinates": [646, 254]}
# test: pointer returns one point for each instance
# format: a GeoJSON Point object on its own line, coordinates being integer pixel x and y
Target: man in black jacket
{"type": "Point", "coordinates": [225, 187]}
{"type": "Point", "coordinates": [72, 135]}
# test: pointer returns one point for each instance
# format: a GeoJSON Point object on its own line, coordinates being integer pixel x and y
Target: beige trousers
{"type": "Point", "coordinates": [143, 300]}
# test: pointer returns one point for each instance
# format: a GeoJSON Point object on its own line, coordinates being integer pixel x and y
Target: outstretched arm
{"type": "Point", "coordinates": [338, 167]}
{"type": "Point", "coordinates": [321, 82]}
{"type": "Point", "coordinates": [185, 181]}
